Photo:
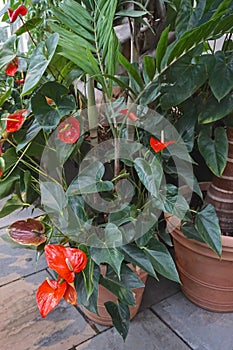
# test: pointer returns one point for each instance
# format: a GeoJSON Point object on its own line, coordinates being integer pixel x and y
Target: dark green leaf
{"type": "Point", "coordinates": [11, 205]}
{"type": "Point", "coordinates": [162, 260]}
{"type": "Point", "coordinates": [111, 256]}
{"type": "Point", "coordinates": [213, 110]}
{"type": "Point", "coordinates": [149, 66]}
{"type": "Point", "coordinates": [137, 256]}
{"type": "Point", "coordinates": [214, 150]}
{"type": "Point", "coordinates": [29, 25]}
{"type": "Point", "coordinates": [125, 295]}
{"type": "Point", "coordinates": [221, 87]}
{"type": "Point", "coordinates": [207, 225]}
{"type": "Point", "coordinates": [120, 317]}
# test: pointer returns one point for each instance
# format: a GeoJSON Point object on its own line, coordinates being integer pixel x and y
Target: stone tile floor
{"type": "Point", "coordinates": [167, 320]}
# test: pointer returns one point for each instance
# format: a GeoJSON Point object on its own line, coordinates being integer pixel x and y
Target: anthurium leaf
{"type": "Point", "coordinates": [161, 260]}
{"type": "Point", "coordinates": [222, 68]}
{"type": "Point", "coordinates": [137, 256]}
{"type": "Point", "coordinates": [27, 232]}
{"type": "Point", "coordinates": [89, 180]}
{"type": "Point", "coordinates": [124, 294]}
{"type": "Point", "coordinates": [10, 158]}
{"type": "Point", "coordinates": [29, 25]}
{"type": "Point", "coordinates": [39, 62]}
{"type": "Point", "coordinates": [190, 232]}
{"type": "Point", "coordinates": [6, 92]}
{"type": "Point", "coordinates": [29, 135]}
{"type": "Point", "coordinates": [11, 205]}
{"type": "Point", "coordinates": [150, 174]}
{"type": "Point", "coordinates": [214, 149]}
{"type": "Point", "coordinates": [184, 79]}
{"type": "Point", "coordinates": [7, 185]}
{"type": "Point", "coordinates": [111, 256]}
{"type": "Point", "coordinates": [207, 225]}
{"type": "Point", "coordinates": [53, 197]}
{"type": "Point", "coordinates": [128, 277]}
{"type": "Point", "coordinates": [8, 51]}
{"type": "Point", "coordinates": [49, 114]}
{"type": "Point", "coordinates": [89, 302]}
{"type": "Point", "coordinates": [213, 110]}
{"type": "Point", "coordinates": [120, 317]}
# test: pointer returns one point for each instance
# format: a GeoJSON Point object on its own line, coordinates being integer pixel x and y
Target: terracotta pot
{"type": "Point", "coordinates": [105, 295]}
{"type": "Point", "coordinates": [206, 279]}
{"type": "Point", "coordinates": [220, 193]}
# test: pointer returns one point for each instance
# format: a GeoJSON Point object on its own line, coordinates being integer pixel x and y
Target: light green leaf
{"type": "Point", "coordinates": [161, 47]}
{"type": "Point", "coordinates": [11, 205]}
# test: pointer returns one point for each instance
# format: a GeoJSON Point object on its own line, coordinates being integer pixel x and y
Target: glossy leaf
{"type": "Point", "coordinates": [111, 256]}
{"type": "Point", "coordinates": [31, 132]}
{"type": "Point", "coordinates": [162, 260]}
{"type": "Point", "coordinates": [214, 149]}
{"type": "Point", "coordinates": [27, 232]}
{"type": "Point", "coordinates": [207, 225]}
{"type": "Point", "coordinates": [128, 277]}
{"type": "Point", "coordinates": [137, 256]}
{"type": "Point", "coordinates": [11, 205]}
{"type": "Point", "coordinates": [8, 51]}
{"type": "Point", "coordinates": [7, 185]}
{"type": "Point", "coordinates": [89, 180]}
{"type": "Point", "coordinates": [29, 25]}
{"type": "Point", "coordinates": [39, 62]}
{"type": "Point", "coordinates": [48, 295]}
{"type": "Point", "coordinates": [222, 68]}
{"type": "Point", "coordinates": [213, 110]}
{"type": "Point", "coordinates": [150, 174]}
{"type": "Point", "coordinates": [125, 295]}
{"type": "Point", "coordinates": [120, 317]}
{"type": "Point", "coordinates": [53, 197]}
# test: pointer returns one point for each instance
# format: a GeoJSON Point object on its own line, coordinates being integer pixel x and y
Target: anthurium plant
{"type": "Point", "coordinates": [103, 173]}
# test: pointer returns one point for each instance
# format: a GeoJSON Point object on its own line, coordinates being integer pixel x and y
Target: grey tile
{"type": "Point", "coordinates": [155, 291]}
{"type": "Point", "coordinates": [201, 329]}
{"type": "Point", "coordinates": [22, 328]}
{"type": "Point", "coordinates": [17, 261]}
{"type": "Point", "coordinates": [146, 332]}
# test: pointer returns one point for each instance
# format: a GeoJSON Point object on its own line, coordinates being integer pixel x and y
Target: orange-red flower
{"type": "Point", "coordinates": [13, 14]}
{"type": "Point", "coordinates": [65, 261]}
{"type": "Point", "coordinates": [19, 81]}
{"type": "Point", "coordinates": [49, 295]}
{"type": "Point", "coordinates": [158, 145]}
{"type": "Point", "coordinates": [69, 130]}
{"type": "Point", "coordinates": [12, 67]}
{"type": "Point", "coordinates": [15, 120]}
{"type": "Point", "coordinates": [131, 115]}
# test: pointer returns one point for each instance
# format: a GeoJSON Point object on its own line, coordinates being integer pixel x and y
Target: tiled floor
{"type": "Point", "coordinates": [166, 321]}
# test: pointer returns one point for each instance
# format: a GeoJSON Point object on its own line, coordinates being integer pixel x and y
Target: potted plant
{"type": "Point", "coordinates": [101, 173]}
{"type": "Point", "coordinates": [202, 103]}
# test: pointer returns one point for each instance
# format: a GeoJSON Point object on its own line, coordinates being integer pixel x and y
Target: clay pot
{"type": "Point", "coordinates": [220, 193]}
{"type": "Point", "coordinates": [206, 279]}
{"type": "Point", "coordinates": [105, 295]}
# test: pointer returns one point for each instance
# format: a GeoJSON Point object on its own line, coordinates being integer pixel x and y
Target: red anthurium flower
{"type": "Point", "coordinates": [69, 130]}
{"type": "Point", "coordinates": [158, 145]}
{"type": "Point", "coordinates": [13, 14]}
{"type": "Point", "coordinates": [70, 294]}
{"type": "Point", "coordinates": [49, 295]}
{"type": "Point", "coordinates": [19, 81]}
{"type": "Point", "coordinates": [15, 121]}
{"type": "Point", "coordinates": [28, 232]}
{"type": "Point", "coordinates": [65, 261]}
{"type": "Point", "coordinates": [131, 115]}
{"type": "Point", "coordinates": [12, 67]}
